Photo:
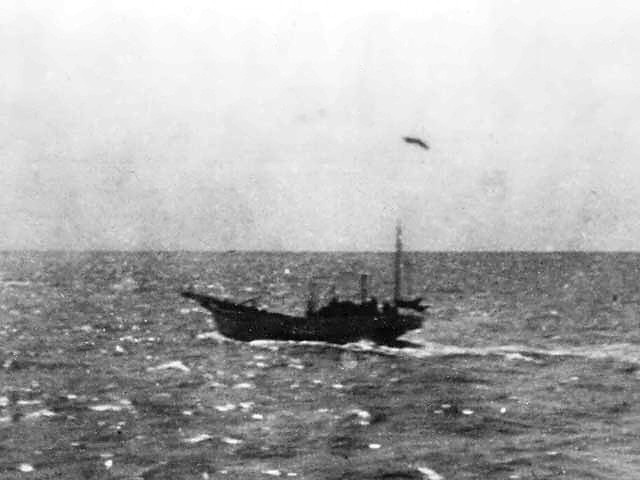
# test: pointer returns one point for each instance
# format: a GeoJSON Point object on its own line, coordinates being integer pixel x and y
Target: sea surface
{"type": "Point", "coordinates": [528, 367]}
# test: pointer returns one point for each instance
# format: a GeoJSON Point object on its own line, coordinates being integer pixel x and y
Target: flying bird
{"type": "Point", "coordinates": [416, 141]}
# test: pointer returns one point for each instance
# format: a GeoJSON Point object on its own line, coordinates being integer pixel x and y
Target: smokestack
{"type": "Point", "coordinates": [397, 271]}
{"type": "Point", "coordinates": [364, 287]}
{"type": "Point", "coordinates": [312, 301]}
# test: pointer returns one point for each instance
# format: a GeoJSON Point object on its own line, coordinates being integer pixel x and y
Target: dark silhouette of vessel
{"type": "Point", "coordinates": [337, 322]}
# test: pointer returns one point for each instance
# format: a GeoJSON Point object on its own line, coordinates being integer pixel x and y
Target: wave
{"type": "Point", "coordinates": [624, 352]}
{"type": "Point", "coordinates": [15, 283]}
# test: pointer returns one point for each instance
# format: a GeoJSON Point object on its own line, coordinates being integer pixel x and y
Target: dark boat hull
{"type": "Point", "coordinates": [246, 323]}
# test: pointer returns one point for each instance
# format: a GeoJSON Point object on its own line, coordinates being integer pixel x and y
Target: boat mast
{"type": "Point", "coordinates": [397, 271]}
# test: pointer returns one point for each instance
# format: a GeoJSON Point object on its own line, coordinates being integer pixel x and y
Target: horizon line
{"type": "Point", "coordinates": [268, 251]}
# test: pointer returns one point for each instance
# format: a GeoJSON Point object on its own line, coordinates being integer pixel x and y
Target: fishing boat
{"type": "Point", "coordinates": [336, 322]}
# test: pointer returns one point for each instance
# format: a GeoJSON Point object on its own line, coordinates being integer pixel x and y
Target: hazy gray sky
{"type": "Point", "coordinates": [278, 125]}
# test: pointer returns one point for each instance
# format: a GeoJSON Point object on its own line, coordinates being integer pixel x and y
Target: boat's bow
{"type": "Point", "coordinates": [208, 302]}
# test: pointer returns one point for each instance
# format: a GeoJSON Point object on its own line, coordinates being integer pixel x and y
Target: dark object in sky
{"type": "Point", "coordinates": [416, 141]}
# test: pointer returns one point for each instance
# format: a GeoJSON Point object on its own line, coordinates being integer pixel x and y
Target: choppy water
{"type": "Point", "coordinates": [527, 367]}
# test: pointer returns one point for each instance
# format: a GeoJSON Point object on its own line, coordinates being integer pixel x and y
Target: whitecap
{"type": "Point", "coordinates": [361, 413]}
{"type": "Point", "coordinates": [198, 438]}
{"type": "Point", "coordinates": [107, 407]}
{"type": "Point", "coordinates": [272, 345]}
{"type": "Point", "coordinates": [40, 413]}
{"type": "Point", "coordinates": [29, 402]}
{"type": "Point", "coordinates": [213, 336]}
{"type": "Point", "coordinates": [4, 401]}
{"type": "Point", "coordinates": [273, 473]}
{"type": "Point", "coordinates": [176, 364]}
{"type": "Point", "coordinates": [227, 407]}
{"type": "Point", "coordinates": [26, 468]}
{"type": "Point", "coordinates": [519, 356]}
{"type": "Point", "coordinates": [231, 441]}
{"type": "Point", "coordinates": [243, 385]}
{"type": "Point", "coordinates": [430, 474]}
{"type": "Point", "coordinates": [16, 283]}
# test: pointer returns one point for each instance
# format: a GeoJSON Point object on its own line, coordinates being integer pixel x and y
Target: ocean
{"type": "Point", "coordinates": [527, 367]}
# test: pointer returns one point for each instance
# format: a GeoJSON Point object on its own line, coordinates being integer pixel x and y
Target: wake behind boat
{"type": "Point", "coordinates": [337, 322]}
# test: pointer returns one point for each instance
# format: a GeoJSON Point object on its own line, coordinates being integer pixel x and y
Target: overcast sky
{"type": "Point", "coordinates": [278, 125]}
